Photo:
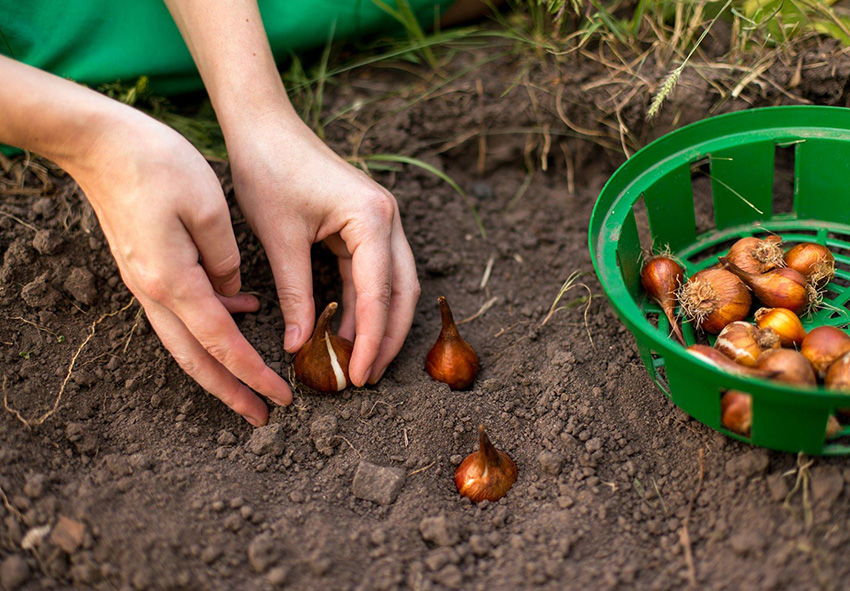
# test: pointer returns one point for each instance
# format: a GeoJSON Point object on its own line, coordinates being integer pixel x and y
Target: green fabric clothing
{"type": "Point", "coordinates": [98, 41]}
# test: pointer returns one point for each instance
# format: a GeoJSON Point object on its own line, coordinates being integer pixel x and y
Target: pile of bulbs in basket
{"type": "Point", "coordinates": [322, 366]}
{"type": "Point", "coordinates": [718, 301]}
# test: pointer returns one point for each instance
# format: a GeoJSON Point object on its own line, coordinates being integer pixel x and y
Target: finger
{"type": "Point", "coordinates": [349, 299]}
{"type": "Point", "coordinates": [293, 276]}
{"type": "Point", "coordinates": [200, 365]}
{"type": "Point", "coordinates": [240, 303]}
{"type": "Point", "coordinates": [405, 295]}
{"type": "Point", "coordinates": [212, 232]}
{"type": "Point", "coordinates": [371, 270]}
{"type": "Point", "coordinates": [211, 324]}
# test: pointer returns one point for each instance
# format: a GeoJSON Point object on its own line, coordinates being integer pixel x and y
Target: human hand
{"type": "Point", "coordinates": [161, 207]}
{"type": "Point", "coordinates": [295, 191]}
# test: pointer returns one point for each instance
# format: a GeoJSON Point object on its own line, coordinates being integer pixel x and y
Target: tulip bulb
{"type": "Point", "coordinates": [713, 298]}
{"type": "Point", "coordinates": [660, 277]}
{"type": "Point", "coordinates": [322, 363]}
{"type": "Point", "coordinates": [451, 360]}
{"type": "Point", "coordinates": [736, 412]}
{"type": "Point", "coordinates": [744, 343]}
{"type": "Point", "coordinates": [486, 473]}
{"type": "Point", "coordinates": [812, 261]}
{"type": "Point", "coordinates": [838, 378]}
{"type": "Point", "coordinates": [719, 360]}
{"type": "Point", "coordinates": [756, 255]}
{"type": "Point", "coordinates": [780, 288]}
{"type": "Point", "coordinates": [787, 366]}
{"type": "Point", "coordinates": [784, 323]}
{"type": "Point", "coordinates": [823, 345]}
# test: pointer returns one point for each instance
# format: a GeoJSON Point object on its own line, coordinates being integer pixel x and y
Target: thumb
{"type": "Point", "coordinates": [294, 279]}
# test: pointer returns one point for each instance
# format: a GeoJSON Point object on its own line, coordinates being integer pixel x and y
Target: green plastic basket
{"type": "Point", "coordinates": [740, 151]}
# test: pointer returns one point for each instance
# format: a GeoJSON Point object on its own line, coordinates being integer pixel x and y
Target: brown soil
{"type": "Point", "coordinates": [166, 480]}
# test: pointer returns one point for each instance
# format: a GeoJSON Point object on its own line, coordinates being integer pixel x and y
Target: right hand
{"type": "Point", "coordinates": [162, 209]}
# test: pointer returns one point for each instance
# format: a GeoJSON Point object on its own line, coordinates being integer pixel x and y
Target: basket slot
{"type": "Point", "coordinates": [670, 209]}
{"type": "Point", "coordinates": [780, 425]}
{"type": "Point", "coordinates": [742, 184]}
{"type": "Point", "coordinates": [629, 256]}
{"type": "Point", "coordinates": [822, 170]}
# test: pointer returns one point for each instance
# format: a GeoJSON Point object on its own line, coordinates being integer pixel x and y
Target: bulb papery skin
{"type": "Point", "coordinates": [757, 255]}
{"type": "Point", "coordinates": [823, 346]}
{"type": "Point", "coordinates": [736, 412]}
{"type": "Point", "coordinates": [744, 343]}
{"type": "Point", "coordinates": [451, 360]}
{"type": "Point", "coordinates": [813, 261]}
{"type": "Point", "coordinates": [784, 323]}
{"type": "Point", "coordinates": [714, 298]}
{"type": "Point", "coordinates": [719, 360]}
{"type": "Point", "coordinates": [838, 379]}
{"type": "Point", "coordinates": [485, 474]}
{"type": "Point", "coordinates": [779, 288]}
{"type": "Point", "coordinates": [787, 366]}
{"type": "Point", "coordinates": [661, 277]}
{"type": "Point", "coordinates": [322, 362]}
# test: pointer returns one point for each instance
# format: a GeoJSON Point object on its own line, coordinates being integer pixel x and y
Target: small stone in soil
{"type": "Point", "coordinates": [437, 530]}
{"type": "Point", "coordinates": [14, 572]}
{"type": "Point", "coordinates": [278, 575]}
{"type": "Point", "coordinates": [550, 463]}
{"type": "Point", "coordinates": [323, 431]}
{"type": "Point", "coordinates": [81, 285]}
{"type": "Point", "coordinates": [378, 484]}
{"type": "Point", "coordinates": [68, 534]}
{"type": "Point", "coordinates": [267, 440]}
{"type": "Point", "coordinates": [47, 241]}
{"type": "Point", "coordinates": [225, 437]}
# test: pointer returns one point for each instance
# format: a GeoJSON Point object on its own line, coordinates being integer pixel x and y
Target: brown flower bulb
{"type": "Point", "coordinates": [451, 360]}
{"type": "Point", "coordinates": [486, 473]}
{"type": "Point", "coordinates": [322, 363]}
{"type": "Point", "coordinates": [661, 277]}
{"type": "Point", "coordinates": [713, 298]}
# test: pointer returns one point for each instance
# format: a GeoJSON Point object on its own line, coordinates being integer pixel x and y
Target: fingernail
{"type": "Point", "coordinates": [366, 375]}
{"type": "Point", "coordinates": [291, 336]}
{"type": "Point", "coordinates": [253, 421]}
{"type": "Point", "coordinates": [377, 378]}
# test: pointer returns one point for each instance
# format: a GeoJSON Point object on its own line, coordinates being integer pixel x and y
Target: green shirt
{"type": "Point", "coordinates": [99, 41]}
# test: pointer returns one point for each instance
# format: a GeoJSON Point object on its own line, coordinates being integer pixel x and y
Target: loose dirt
{"type": "Point", "coordinates": [162, 487]}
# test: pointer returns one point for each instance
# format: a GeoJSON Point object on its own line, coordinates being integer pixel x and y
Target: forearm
{"type": "Point", "coordinates": [54, 117]}
{"type": "Point", "coordinates": [229, 45]}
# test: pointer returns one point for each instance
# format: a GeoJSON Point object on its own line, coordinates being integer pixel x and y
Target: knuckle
{"type": "Point", "coordinates": [187, 363]}
{"type": "Point", "coordinates": [292, 297]}
{"type": "Point", "coordinates": [208, 215]}
{"type": "Point", "coordinates": [382, 207]}
{"type": "Point", "coordinates": [226, 266]}
{"type": "Point", "coordinates": [223, 351]}
{"type": "Point", "coordinates": [152, 285]}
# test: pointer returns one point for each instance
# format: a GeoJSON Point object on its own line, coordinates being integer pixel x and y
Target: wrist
{"type": "Point", "coordinates": [265, 104]}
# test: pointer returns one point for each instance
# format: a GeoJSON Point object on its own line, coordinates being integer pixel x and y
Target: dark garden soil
{"type": "Point", "coordinates": [162, 487]}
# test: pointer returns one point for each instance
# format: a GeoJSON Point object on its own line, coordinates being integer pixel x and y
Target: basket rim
{"type": "Point", "coordinates": [780, 121]}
